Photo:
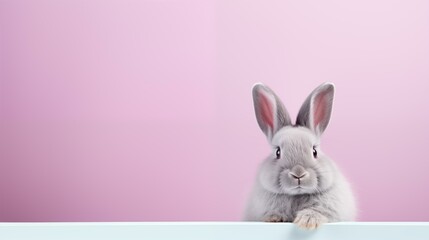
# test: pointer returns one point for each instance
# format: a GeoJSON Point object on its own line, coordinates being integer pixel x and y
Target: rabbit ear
{"type": "Point", "coordinates": [316, 110]}
{"type": "Point", "coordinates": [269, 110]}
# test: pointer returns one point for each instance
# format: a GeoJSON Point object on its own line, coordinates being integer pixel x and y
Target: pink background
{"type": "Point", "coordinates": [142, 110]}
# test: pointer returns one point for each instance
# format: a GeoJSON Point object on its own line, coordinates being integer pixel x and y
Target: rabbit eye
{"type": "Point", "coordinates": [278, 152]}
{"type": "Point", "coordinates": [314, 152]}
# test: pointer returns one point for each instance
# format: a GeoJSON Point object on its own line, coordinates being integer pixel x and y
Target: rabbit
{"type": "Point", "coordinates": [297, 182]}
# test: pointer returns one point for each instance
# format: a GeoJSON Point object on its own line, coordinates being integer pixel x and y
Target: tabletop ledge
{"type": "Point", "coordinates": [212, 230]}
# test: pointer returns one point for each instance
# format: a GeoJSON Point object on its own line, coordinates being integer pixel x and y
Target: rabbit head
{"type": "Point", "coordinates": [297, 164]}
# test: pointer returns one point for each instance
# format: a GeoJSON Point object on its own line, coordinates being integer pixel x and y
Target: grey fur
{"type": "Point", "coordinates": [298, 187]}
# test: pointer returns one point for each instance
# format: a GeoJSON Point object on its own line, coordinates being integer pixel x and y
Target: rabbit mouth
{"type": "Point", "coordinates": [297, 190]}
{"type": "Point", "coordinates": [291, 188]}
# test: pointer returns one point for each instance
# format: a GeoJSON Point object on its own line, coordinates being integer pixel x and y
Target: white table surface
{"type": "Point", "coordinates": [213, 230]}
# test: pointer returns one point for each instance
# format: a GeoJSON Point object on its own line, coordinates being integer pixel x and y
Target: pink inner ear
{"type": "Point", "coordinates": [266, 111]}
{"type": "Point", "coordinates": [319, 108]}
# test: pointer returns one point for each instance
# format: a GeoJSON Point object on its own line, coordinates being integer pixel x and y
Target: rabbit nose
{"type": "Point", "coordinates": [297, 176]}
{"type": "Point", "coordinates": [297, 172]}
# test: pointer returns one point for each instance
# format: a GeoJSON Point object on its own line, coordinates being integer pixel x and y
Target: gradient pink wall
{"type": "Point", "coordinates": [142, 110]}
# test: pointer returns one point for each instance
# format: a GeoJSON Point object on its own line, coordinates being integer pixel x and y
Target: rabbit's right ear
{"type": "Point", "coordinates": [269, 110]}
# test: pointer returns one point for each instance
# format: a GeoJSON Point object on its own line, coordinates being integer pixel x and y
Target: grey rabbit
{"type": "Point", "coordinates": [297, 182]}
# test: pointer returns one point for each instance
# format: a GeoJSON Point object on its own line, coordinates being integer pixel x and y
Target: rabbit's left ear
{"type": "Point", "coordinates": [315, 112]}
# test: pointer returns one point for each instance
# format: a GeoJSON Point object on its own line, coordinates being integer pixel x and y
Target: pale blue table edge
{"type": "Point", "coordinates": [212, 230]}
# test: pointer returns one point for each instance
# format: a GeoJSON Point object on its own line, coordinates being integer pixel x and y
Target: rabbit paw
{"type": "Point", "coordinates": [274, 218]}
{"type": "Point", "coordinates": [309, 219]}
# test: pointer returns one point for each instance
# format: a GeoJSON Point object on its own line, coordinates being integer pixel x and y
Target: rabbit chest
{"type": "Point", "coordinates": [287, 206]}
